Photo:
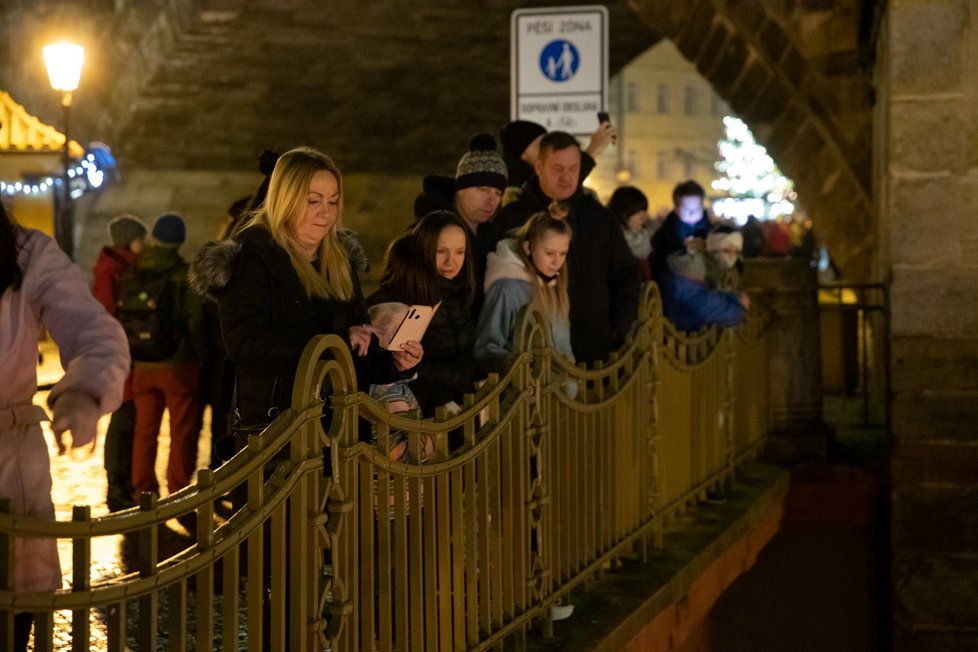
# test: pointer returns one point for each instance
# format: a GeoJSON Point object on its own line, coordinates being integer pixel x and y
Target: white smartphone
{"type": "Point", "coordinates": [413, 326]}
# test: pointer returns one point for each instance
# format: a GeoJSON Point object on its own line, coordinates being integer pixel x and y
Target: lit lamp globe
{"type": "Point", "coordinates": [64, 63]}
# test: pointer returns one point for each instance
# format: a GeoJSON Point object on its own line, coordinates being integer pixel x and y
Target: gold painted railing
{"type": "Point", "coordinates": [549, 474]}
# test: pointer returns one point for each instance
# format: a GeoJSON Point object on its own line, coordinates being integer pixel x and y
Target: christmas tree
{"type": "Point", "coordinates": [750, 180]}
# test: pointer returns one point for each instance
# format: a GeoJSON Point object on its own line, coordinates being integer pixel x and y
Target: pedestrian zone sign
{"type": "Point", "coordinates": [559, 67]}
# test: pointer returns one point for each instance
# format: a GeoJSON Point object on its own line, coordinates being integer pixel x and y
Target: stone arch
{"type": "Point", "coordinates": [794, 74]}
{"type": "Point", "coordinates": [206, 85]}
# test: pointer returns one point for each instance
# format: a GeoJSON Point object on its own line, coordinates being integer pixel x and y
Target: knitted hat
{"type": "Point", "coordinates": [481, 165]}
{"type": "Point", "coordinates": [517, 136]}
{"type": "Point", "coordinates": [688, 263]}
{"type": "Point", "coordinates": [125, 228]}
{"type": "Point", "coordinates": [169, 230]}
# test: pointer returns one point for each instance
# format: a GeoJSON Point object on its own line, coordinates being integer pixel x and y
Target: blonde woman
{"type": "Point", "coordinates": [288, 274]}
{"type": "Point", "coordinates": [528, 268]}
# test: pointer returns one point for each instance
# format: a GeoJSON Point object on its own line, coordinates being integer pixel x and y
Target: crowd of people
{"type": "Point", "coordinates": [156, 332]}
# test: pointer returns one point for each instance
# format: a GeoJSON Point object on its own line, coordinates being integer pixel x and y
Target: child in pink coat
{"type": "Point", "coordinates": [41, 288]}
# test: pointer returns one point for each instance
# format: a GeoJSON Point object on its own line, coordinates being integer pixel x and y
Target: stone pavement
{"type": "Point", "coordinates": [79, 479]}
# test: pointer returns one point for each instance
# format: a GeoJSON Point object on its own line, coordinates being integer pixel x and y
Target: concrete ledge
{"type": "Point", "coordinates": [656, 605]}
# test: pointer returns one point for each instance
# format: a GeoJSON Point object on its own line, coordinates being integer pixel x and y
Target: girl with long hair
{"type": "Point", "coordinates": [432, 265]}
{"type": "Point", "coordinates": [528, 268]}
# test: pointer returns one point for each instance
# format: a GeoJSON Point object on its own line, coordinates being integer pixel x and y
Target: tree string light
{"type": "Point", "coordinates": [86, 175]}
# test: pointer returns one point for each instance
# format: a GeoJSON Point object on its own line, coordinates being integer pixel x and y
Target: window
{"type": "Point", "coordinates": [689, 101]}
{"type": "Point", "coordinates": [632, 100]}
{"type": "Point", "coordinates": [634, 163]}
{"type": "Point", "coordinates": [716, 105]}
{"type": "Point", "coordinates": [662, 98]}
{"type": "Point", "coordinates": [662, 165]}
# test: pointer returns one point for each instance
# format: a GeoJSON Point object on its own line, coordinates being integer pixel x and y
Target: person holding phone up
{"type": "Point", "coordinates": [287, 274]}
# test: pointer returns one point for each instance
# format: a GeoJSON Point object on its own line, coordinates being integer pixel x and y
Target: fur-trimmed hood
{"type": "Point", "coordinates": [211, 268]}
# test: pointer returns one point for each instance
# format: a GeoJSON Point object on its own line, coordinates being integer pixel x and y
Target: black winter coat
{"type": "Point", "coordinates": [267, 319]}
{"type": "Point", "coordinates": [448, 370]}
{"type": "Point", "coordinates": [671, 237]}
{"type": "Point", "coordinates": [604, 279]}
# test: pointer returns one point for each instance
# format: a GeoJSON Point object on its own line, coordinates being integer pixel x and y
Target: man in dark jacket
{"type": "Point", "coordinates": [685, 227]}
{"type": "Point", "coordinates": [474, 195]}
{"type": "Point", "coordinates": [604, 279]}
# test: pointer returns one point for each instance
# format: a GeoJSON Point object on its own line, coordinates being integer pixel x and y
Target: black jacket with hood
{"type": "Point", "coordinates": [671, 237]}
{"type": "Point", "coordinates": [448, 370]}
{"type": "Point", "coordinates": [267, 318]}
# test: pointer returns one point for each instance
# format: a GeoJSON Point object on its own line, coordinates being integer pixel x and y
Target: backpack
{"type": "Point", "coordinates": [146, 308]}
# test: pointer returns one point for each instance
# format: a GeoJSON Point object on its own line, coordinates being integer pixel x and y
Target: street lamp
{"type": "Point", "coordinates": [64, 63]}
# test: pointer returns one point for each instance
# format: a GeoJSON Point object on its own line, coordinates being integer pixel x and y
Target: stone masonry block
{"type": "Point", "coordinates": [749, 93]}
{"type": "Point", "coordinates": [924, 416]}
{"type": "Point", "coordinates": [714, 44]}
{"type": "Point", "coordinates": [937, 301]}
{"type": "Point", "coordinates": [729, 66]}
{"type": "Point", "coordinates": [923, 362]}
{"type": "Point", "coordinates": [932, 519]}
{"type": "Point", "coordinates": [929, 218]}
{"type": "Point", "coordinates": [813, 33]}
{"type": "Point", "coordinates": [806, 140]}
{"type": "Point", "coordinates": [906, 639]}
{"type": "Point", "coordinates": [692, 39]}
{"type": "Point", "coordinates": [935, 590]}
{"type": "Point", "coordinates": [928, 42]}
{"type": "Point", "coordinates": [669, 17]}
{"type": "Point", "coordinates": [794, 67]}
{"type": "Point", "coordinates": [843, 29]}
{"type": "Point", "coordinates": [773, 39]}
{"type": "Point", "coordinates": [791, 119]}
{"type": "Point", "coordinates": [749, 15]}
{"type": "Point", "coordinates": [924, 461]}
{"type": "Point", "coordinates": [941, 122]}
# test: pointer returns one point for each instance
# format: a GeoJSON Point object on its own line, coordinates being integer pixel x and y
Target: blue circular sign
{"type": "Point", "coordinates": [559, 60]}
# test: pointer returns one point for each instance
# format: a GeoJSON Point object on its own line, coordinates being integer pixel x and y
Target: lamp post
{"type": "Point", "coordinates": [64, 61]}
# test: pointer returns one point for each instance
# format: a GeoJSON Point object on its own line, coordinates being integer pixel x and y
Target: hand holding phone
{"type": "Point", "coordinates": [604, 136]}
{"type": "Point", "coordinates": [413, 326]}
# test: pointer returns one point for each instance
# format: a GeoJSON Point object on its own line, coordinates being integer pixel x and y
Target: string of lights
{"type": "Point", "coordinates": [86, 175]}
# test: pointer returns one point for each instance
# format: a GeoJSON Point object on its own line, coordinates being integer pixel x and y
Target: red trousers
{"type": "Point", "coordinates": [176, 388]}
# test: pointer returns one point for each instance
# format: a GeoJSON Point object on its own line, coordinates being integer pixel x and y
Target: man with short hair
{"type": "Point", "coordinates": [685, 227]}
{"type": "Point", "coordinates": [474, 195]}
{"type": "Point", "coordinates": [521, 149]}
{"type": "Point", "coordinates": [604, 279]}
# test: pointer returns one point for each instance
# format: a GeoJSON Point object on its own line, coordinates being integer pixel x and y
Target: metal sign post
{"type": "Point", "coordinates": [559, 67]}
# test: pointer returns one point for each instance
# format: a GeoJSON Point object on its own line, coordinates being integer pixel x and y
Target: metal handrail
{"type": "Point", "coordinates": [481, 529]}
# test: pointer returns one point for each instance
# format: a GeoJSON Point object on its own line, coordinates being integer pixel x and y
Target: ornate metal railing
{"type": "Point", "coordinates": [550, 473]}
